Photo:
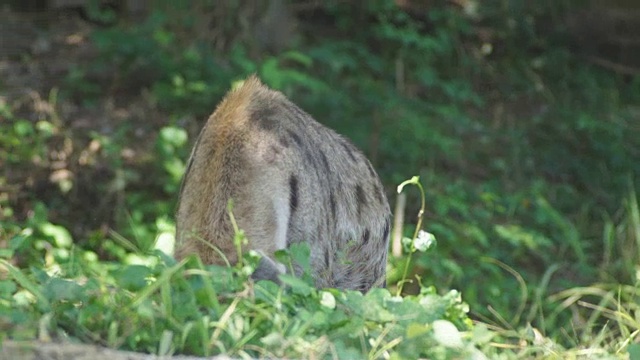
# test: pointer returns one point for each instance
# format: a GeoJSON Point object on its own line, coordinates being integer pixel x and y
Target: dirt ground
{"type": "Point", "coordinates": [45, 70]}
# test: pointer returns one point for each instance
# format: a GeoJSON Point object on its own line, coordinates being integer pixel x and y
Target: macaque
{"type": "Point", "coordinates": [291, 180]}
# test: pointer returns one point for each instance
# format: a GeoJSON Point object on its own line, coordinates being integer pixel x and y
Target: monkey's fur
{"type": "Point", "coordinates": [291, 180]}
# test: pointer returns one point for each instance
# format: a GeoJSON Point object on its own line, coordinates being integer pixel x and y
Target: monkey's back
{"type": "Point", "coordinates": [291, 180]}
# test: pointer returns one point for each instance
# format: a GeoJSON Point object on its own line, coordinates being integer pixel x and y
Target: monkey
{"type": "Point", "coordinates": [291, 180]}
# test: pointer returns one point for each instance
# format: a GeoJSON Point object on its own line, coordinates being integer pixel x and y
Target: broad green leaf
{"type": "Point", "coordinates": [57, 289]}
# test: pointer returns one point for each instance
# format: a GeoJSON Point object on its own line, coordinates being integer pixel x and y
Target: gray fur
{"type": "Point", "coordinates": [292, 180]}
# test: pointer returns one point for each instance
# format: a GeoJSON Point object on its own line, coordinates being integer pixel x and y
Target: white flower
{"type": "Point", "coordinates": [327, 300]}
{"type": "Point", "coordinates": [424, 241]}
{"type": "Point", "coordinates": [447, 334]}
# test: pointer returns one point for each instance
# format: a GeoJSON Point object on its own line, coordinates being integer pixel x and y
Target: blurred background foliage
{"type": "Point", "coordinates": [521, 117]}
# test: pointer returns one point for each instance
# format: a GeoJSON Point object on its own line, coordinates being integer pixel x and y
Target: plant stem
{"type": "Point", "coordinates": [415, 181]}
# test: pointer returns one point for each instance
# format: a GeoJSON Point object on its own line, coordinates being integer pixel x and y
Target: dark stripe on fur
{"type": "Point", "coordinates": [293, 195]}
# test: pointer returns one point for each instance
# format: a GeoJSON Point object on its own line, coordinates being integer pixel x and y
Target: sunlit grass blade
{"type": "Point", "coordinates": [27, 284]}
{"type": "Point", "coordinates": [154, 286]}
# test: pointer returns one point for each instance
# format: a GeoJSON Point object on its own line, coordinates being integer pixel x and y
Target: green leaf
{"type": "Point", "coordinates": [7, 287]}
{"type": "Point", "coordinates": [147, 291]}
{"type": "Point", "coordinates": [26, 283]}
{"type": "Point", "coordinates": [57, 289]}
{"type": "Point", "coordinates": [23, 128]}
{"type": "Point", "coordinates": [174, 135]}
{"type": "Point", "coordinates": [298, 286]}
{"type": "Point", "coordinates": [46, 128]}
{"type": "Point", "coordinates": [133, 277]}
{"type": "Point", "coordinates": [298, 57]}
{"type": "Point", "coordinates": [416, 330]}
{"type": "Point", "coordinates": [519, 236]}
{"type": "Point", "coordinates": [61, 236]}
{"type": "Point", "coordinates": [301, 255]}
{"type": "Point", "coordinates": [634, 351]}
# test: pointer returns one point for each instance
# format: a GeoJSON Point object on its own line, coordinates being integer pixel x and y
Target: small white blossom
{"type": "Point", "coordinates": [424, 241]}
{"type": "Point", "coordinates": [327, 300]}
{"type": "Point", "coordinates": [447, 334]}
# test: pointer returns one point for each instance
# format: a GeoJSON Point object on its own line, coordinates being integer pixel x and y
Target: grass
{"type": "Point", "coordinates": [157, 305]}
{"type": "Point", "coordinates": [185, 307]}
{"type": "Point", "coordinates": [160, 306]}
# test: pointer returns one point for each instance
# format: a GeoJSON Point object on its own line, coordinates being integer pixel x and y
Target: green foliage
{"type": "Point", "coordinates": [37, 242]}
{"type": "Point", "coordinates": [142, 220]}
{"type": "Point", "coordinates": [527, 152]}
{"type": "Point", "coordinates": [167, 307]}
{"type": "Point", "coordinates": [170, 141]}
